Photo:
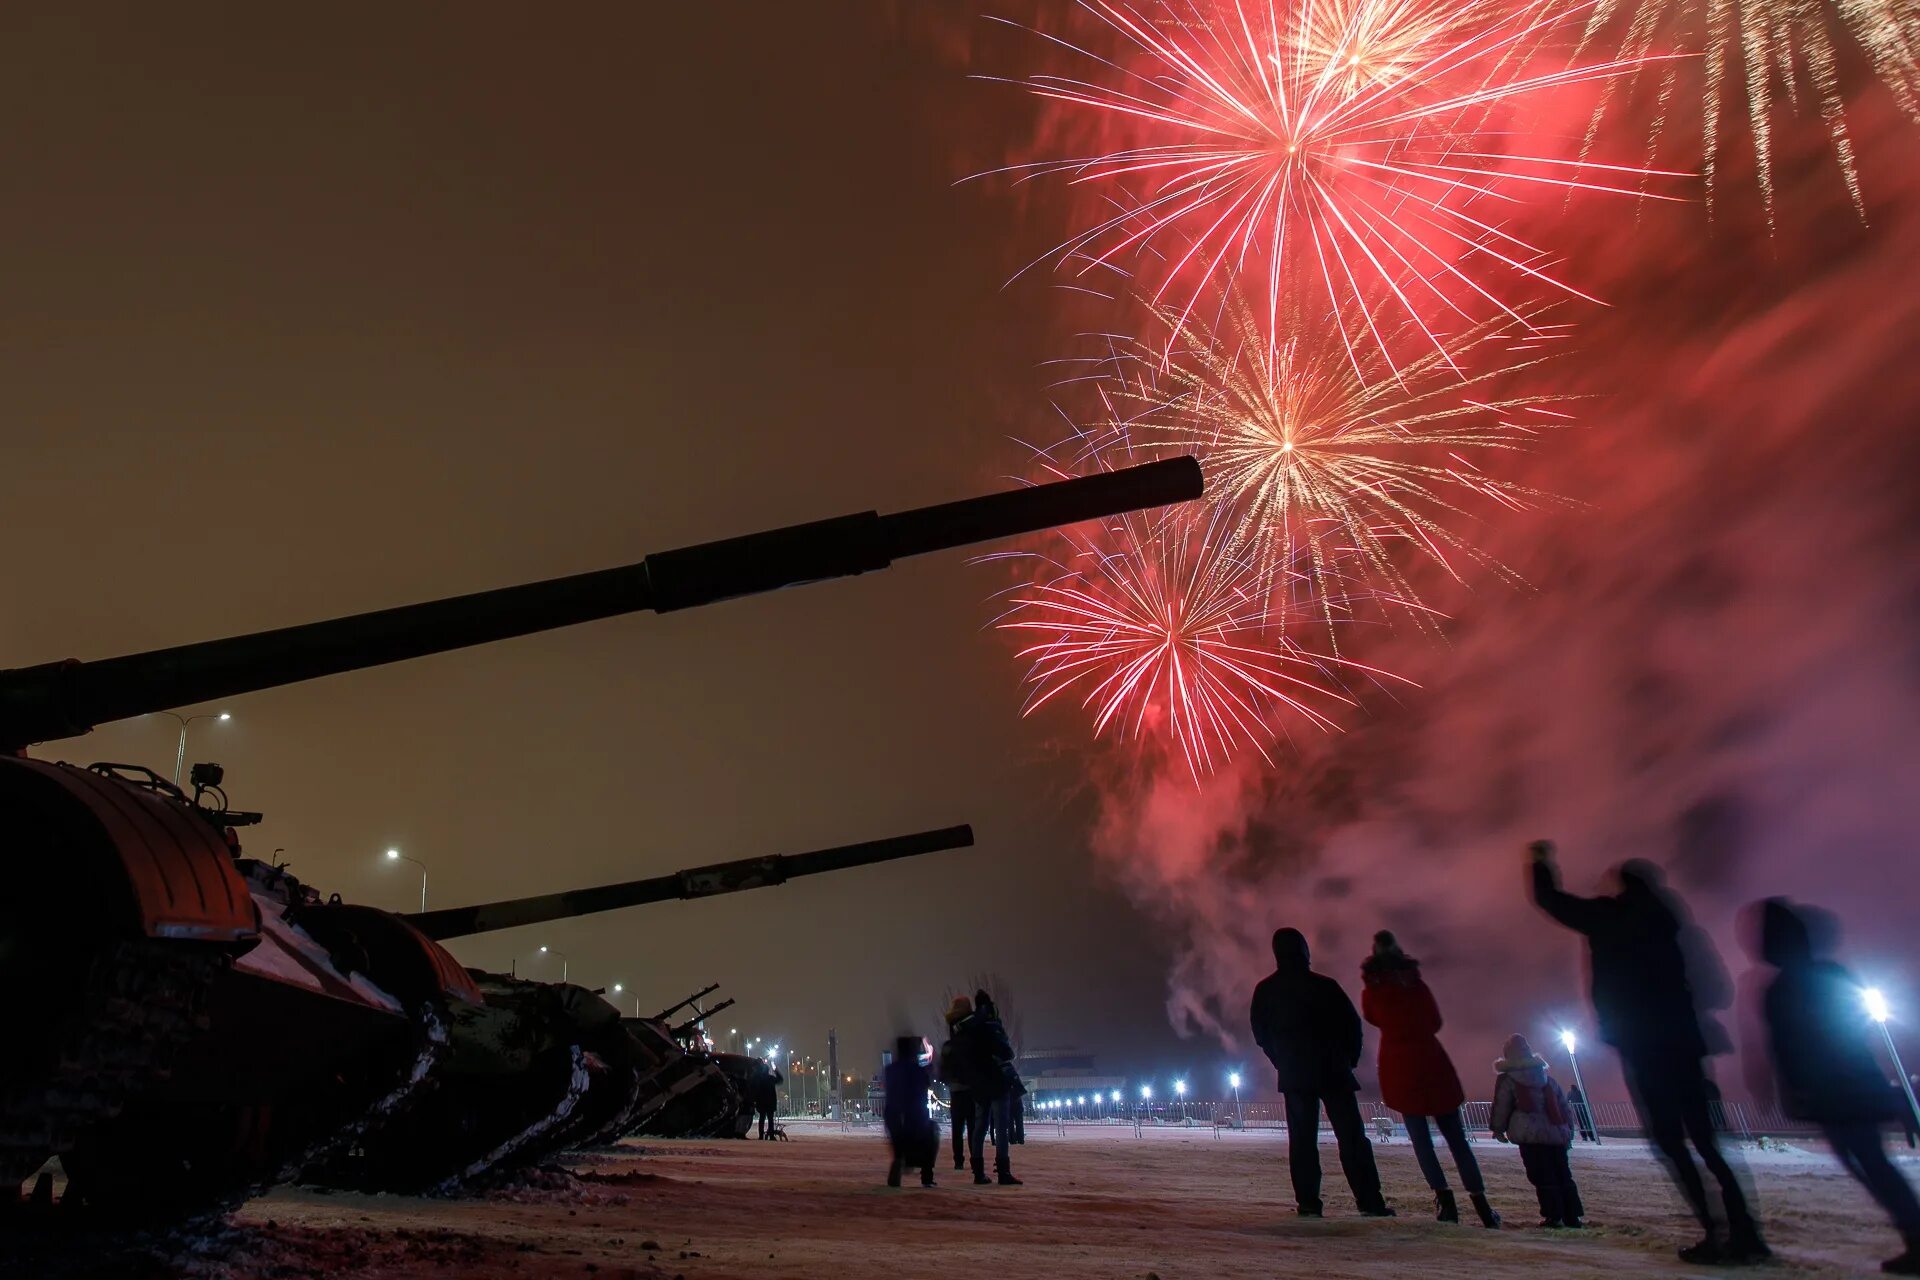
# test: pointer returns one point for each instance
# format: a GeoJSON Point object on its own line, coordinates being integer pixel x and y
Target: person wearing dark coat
{"type": "Point", "coordinates": [953, 1072]}
{"type": "Point", "coordinates": [912, 1132]}
{"type": "Point", "coordinates": [1647, 1012]}
{"type": "Point", "coordinates": [1824, 1067]}
{"type": "Point", "coordinates": [998, 1090]}
{"type": "Point", "coordinates": [1311, 1034]}
{"type": "Point", "coordinates": [1417, 1078]}
{"type": "Point", "coordinates": [765, 1096]}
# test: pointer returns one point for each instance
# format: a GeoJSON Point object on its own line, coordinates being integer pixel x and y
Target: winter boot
{"type": "Point", "coordinates": [1708, 1253]}
{"type": "Point", "coordinates": [1747, 1249]}
{"type": "Point", "coordinates": [1007, 1179]}
{"type": "Point", "coordinates": [1489, 1216]}
{"type": "Point", "coordinates": [980, 1178]}
{"type": "Point", "coordinates": [926, 1176]}
{"type": "Point", "coordinates": [893, 1174]}
{"type": "Point", "coordinates": [1378, 1209]}
{"type": "Point", "coordinates": [1316, 1209]}
{"type": "Point", "coordinates": [1445, 1207]}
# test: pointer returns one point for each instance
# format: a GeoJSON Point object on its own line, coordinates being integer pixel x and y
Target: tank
{"type": "Point", "coordinates": [133, 929]}
{"type": "Point", "coordinates": [534, 1068]}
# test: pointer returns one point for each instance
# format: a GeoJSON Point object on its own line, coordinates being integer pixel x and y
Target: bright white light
{"type": "Point", "coordinates": [226, 715]}
{"type": "Point", "coordinates": [1180, 1087]}
{"type": "Point", "coordinates": [1080, 1102]}
{"type": "Point", "coordinates": [1566, 1038]}
{"type": "Point", "coordinates": [543, 951]}
{"type": "Point", "coordinates": [1876, 1004]}
{"type": "Point", "coordinates": [1146, 1091]}
{"type": "Point", "coordinates": [393, 854]}
{"type": "Point", "coordinates": [616, 987]}
{"type": "Point", "coordinates": [1233, 1081]}
{"type": "Point", "coordinates": [1116, 1095]}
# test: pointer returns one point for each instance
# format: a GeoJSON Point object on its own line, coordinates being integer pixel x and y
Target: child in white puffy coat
{"type": "Point", "coordinates": [1531, 1111]}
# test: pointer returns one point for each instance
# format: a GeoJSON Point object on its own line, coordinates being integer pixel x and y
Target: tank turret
{"type": "Point", "coordinates": [65, 699]}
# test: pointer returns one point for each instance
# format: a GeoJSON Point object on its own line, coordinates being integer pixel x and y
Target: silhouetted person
{"type": "Point", "coordinates": [1417, 1078]}
{"type": "Point", "coordinates": [953, 1072]}
{"type": "Point", "coordinates": [1530, 1111]}
{"type": "Point", "coordinates": [913, 1133]}
{"type": "Point", "coordinates": [1647, 1012]}
{"type": "Point", "coordinates": [1820, 1045]}
{"type": "Point", "coordinates": [765, 1084]}
{"type": "Point", "coordinates": [1308, 1028]}
{"type": "Point", "coordinates": [1582, 1113]}
{"type": "Point", "coordinates": [1000, 1089]}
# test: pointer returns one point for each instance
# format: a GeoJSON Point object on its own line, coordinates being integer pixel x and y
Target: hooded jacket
{"type": "Point", "coordinates": [1529, 1108]}
{"type": "Point", "coordinates": [1416, 1075]}
{"type": "Point", "coordinates": [1818, 1032]}
{"type": "Point", "coordinates": [1305, 1023]}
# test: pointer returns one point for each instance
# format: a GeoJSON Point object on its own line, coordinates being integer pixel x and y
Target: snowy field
{"type": "Point", "coordinates": [1097, 1203]}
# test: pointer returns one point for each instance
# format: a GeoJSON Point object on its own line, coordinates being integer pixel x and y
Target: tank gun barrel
{"type": "Point", "coordinates": [699, 882]}
{"type": "Point", "coordinates": [688, 1027]}
{"type": "Point", "coordinates": [672, 1009]}
{"type": "Point", "coordinates": [64, 699]}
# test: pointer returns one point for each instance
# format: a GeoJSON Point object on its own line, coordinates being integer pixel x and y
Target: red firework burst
{"type": "Point", "coordinates": [1162, 630]}
{"type": "Point", "coordinates": [1360, 143]}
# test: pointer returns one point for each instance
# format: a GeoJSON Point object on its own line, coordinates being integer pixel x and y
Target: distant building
{"type": "Point", "coordinates": [1065, 1073]}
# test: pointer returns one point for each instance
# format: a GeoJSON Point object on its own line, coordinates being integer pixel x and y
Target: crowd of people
{"type": "Point", "coordinates": [1649, 967]}
{"type": "Point", "coordinates": [983, 1088]}
{"type": "Point", "coordinates": [1647, 963]}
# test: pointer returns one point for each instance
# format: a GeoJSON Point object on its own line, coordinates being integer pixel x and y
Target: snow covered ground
{"type": "Point", "coordinates": [1172, 1204]}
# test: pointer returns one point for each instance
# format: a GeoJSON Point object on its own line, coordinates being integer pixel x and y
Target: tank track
{"type": "Point", "coordinates": [524, 1146]}
{"type": "Point", "coordinates": [144, 999]}
{"type": "Point", "coordinates": [433, 1048]}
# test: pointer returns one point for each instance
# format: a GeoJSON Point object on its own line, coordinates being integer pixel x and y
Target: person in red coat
{"type": "Point", "coordinates": [1417, 1078]}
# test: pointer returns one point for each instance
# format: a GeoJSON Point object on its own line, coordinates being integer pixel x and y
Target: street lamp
{"type": "Point", "coordinates": [394, 855]}
{"type": "Point", "coordinates": [1115, 1098]}
{"type": "Point", "coordinates": [1180, 1092]}
{"type": "Point", "coordinates": [545, 950]}
{"type": "Point", "coordinates": [1878, 1010]}
{"type": "Point", "coordinates": [180, 753]}
{"type": "Point", "coordinates": [636, 999]}
{"type": "Point", "coordinates": [1233, 1082]}
{"type": "Point", "coordinates": [1568, 1040]}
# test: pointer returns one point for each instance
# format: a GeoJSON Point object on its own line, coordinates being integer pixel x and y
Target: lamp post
{"type": "Point", "coordinates": [1878, 1010]}
{"type": "Point", "coordinates": [1233, 1082]}
{"type": "Point", "coordinates": [1146, 1097]}
{"type": "Point", "coordinates": [636, 998]}
{"type": "Point", "coordinates": [545, 950]}
{"type": "Point", "coordinates": [1180, 1092]}
{"type": "Point", "coordinates": [180, 753]}
{"type": "Point", "coordinates": [1568, 1039]}
{"type": "Point", "coordinates": [394, 855]}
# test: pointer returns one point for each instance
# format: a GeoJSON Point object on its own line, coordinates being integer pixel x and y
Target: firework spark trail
{"type": "Point", "coordinates": [1766, 50]}
{"type": "Point", "coordinates": [1326, 472]}
{"type": "Point", "coordinates": [1359, 170]}
{"type": "Point", "coordinates": [1161, 628]}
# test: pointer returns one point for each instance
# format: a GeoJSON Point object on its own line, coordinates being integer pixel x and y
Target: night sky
{"type": "Point", "coordinates": [308, 316]}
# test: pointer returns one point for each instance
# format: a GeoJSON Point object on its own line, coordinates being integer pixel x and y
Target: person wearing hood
{"type": "Point", "coordinates": [1417, 1078]}
{"type": "Point", "coordinates": [954, 1073]}
{"type": "Point", "coordinates": [1531, 1111]}
{"type": "Point", "coordinates": [1647, 1011]}
{"type": "Point", "coordinates": [1824, 1069]}
{"type": "Point", "coordinates": [1311, 1034]}
{"type": "Point", "coordinates": [911, 1131]}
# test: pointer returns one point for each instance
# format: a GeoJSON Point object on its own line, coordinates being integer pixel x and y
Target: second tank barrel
{"type": "Point", "coordinates": [699, 882]}
{"type": "Point", "coordinates": [62, 699]}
